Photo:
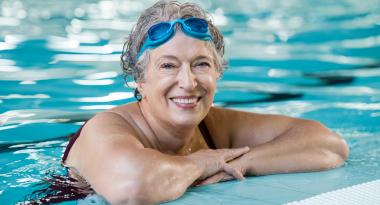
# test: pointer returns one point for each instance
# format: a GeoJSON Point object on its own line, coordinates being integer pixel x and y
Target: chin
{"type": "Point", "coordinates": [187, 119]}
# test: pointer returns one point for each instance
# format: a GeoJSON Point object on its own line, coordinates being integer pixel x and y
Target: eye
{"type": "Point", "coordinates": [167, 66]}
{"type": "Point", "coordinates": [203, 64]}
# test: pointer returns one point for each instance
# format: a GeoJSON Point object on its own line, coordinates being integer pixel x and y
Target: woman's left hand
{"type": "Point", "coordinates": [223, 176]}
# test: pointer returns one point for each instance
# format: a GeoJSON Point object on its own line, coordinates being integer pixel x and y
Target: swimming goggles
{"type": "Point", "coordinates": [161, 32]}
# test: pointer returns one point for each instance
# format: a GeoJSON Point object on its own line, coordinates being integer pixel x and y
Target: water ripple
{"type": "Point", "coordinates": [59, 65]}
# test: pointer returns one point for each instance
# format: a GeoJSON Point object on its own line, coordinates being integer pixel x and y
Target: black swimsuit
{"type": "Point", "coordinates": [73, 137]}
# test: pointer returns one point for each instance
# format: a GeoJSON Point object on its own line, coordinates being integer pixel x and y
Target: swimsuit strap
{"type": "Point", "coordinates": [206, 134]}
{"type": "Point", "coordinates": [72, 138]}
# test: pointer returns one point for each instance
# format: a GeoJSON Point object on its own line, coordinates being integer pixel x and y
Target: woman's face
{"type": "Point", "coordinates": [180, 81]}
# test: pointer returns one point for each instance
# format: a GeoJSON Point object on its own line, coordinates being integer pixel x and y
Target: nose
{"type": "Point", "coordinates": [186, 78]}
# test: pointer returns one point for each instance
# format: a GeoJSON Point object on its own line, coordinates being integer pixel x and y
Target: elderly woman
{"type": "Point", "coordinates": [152, 150]}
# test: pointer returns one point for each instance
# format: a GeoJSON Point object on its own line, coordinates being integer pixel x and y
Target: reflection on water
{"type": "Point", "coordinates": [59, 65]}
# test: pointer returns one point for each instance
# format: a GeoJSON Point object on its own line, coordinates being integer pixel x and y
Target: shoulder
{"type": "Point", "coordinates": [105, 134]}
{"type": "Point", "coordinates": [220, 123]}
{"type": "Point", "coordinates": [112, 117]}
{"type": "Point", "coordinates": [232, 116]}
{"type": "Point", "coordinates": [226, 120]}
{"type": "Point", "coordinates": [114, 125]}
{"type": "Point", "coordinates": [124, 115]}
{"type": "Point", "coordinates": [238, 117]}
{"type": "Point", "coordinates": [235, 128]}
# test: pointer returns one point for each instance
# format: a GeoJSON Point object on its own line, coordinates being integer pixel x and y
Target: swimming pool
{"type": "Point", "coordinates": [59, 65]}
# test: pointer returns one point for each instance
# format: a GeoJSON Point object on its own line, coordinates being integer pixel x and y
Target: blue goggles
{"type": "Point", "coordinates": [161, 32]}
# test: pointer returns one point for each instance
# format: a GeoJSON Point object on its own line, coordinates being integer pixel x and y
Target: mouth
{"type": "Point", "coordinates": [186, 102]}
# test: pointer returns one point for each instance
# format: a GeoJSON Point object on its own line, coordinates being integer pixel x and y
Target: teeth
{"type": "Point", "coordinates": [185, 100]}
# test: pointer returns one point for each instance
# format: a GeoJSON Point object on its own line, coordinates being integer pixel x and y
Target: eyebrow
{"type": "Point", "coordinates": [167, 56]}
{"type": "Point", "coordinates": [202, 57]}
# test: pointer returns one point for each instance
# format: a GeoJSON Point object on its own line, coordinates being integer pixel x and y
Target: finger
{"type": "Point", "coordinates": [213, 179]}
{"type": "Point", "coordinates": [226, 177]}
{"type": "Point", "coordinates": [234, 153]}
{"type": "Point", "coordinates": [229, 169]}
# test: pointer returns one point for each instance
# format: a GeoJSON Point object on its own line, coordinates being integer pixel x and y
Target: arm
{"type": "Point", "coordinates": [305, 146]}
{"type": "Point", "coordinates": [279, 144]}
{"type": "Point", "coordinates": [118, 167]}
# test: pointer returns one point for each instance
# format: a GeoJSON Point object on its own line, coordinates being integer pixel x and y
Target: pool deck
{"type": "Point", "coordinates": [274, 189]}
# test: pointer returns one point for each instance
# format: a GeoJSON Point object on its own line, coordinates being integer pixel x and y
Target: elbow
{"type": "Point", "coordinates": [333, 147]}
{"type": "Point", "coordinates": [342, 149]}
{"type": "Point", "coordinates": [142, 190]}
{"type": "Point", "coordinates": [130, 193]}
{"type": "Point", "coordinates": [336, 152]}
{"type": "Point", "coordinates": [145, 184]}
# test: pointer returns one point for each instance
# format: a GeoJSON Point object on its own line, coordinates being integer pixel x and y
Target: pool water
{"type": "Point", "coordinates": [320, 60]}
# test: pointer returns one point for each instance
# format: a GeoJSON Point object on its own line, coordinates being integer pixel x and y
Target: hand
{"type": "Point", "coordinates": [221, 176]}
{"type": "Point", "coordinates": [214, 161]}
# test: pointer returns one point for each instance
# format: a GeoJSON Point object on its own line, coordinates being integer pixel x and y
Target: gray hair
{"type": "Point", "coordinates": [164, 11]}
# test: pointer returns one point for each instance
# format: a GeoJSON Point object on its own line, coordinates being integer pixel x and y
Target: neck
{"type": "Point", "coordinates": [167, 137]}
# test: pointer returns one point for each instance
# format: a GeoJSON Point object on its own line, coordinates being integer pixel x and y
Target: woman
{"type": "Point", "coordinates": [152, 150]}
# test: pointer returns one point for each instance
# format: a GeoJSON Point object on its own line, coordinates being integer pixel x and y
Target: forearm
{"type": "Point", "coordinates": [141, 176]}
{"type": "Point", "coordinates": [147, 176]}
{"type": "Point", "coordinates": [166, 179]}
{"type": "Point", "coordinates": [309, 146]}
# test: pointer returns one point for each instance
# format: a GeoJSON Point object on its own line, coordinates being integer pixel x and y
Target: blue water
{"type": "Point", "coordinates": [59, 65]}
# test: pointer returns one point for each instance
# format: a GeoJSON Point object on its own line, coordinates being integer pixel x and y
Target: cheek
{"type": "Point", "coordinates": [159, 87]}
{"type": "Point", "coordinates": [208, 83]}
{"type": "Point", "coordinates": [209, 80]}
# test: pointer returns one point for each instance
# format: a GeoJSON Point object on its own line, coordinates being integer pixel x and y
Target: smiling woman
{"type": "Point", "coordinates": [152, 150]}
{"type": "Point", "coordinates": [179, 86]}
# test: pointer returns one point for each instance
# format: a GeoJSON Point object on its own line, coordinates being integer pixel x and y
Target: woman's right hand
{"type": "Point", "coordinates": [213, 161]}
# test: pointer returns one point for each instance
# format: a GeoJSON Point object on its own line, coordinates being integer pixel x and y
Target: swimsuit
{"type": "Point", "coordinates": [73, 137]}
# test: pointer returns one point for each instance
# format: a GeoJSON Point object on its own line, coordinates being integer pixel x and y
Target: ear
{"type": "Point", "coordinates": [140, 88]}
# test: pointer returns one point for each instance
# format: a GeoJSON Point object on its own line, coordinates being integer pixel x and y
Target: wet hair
{"type": "Point", "coordinates": [134, 67]}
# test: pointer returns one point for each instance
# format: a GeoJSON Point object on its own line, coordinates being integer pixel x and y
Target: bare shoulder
{"type": "Point", "coordinates": [236, 116]}
{"type": "Point", "coordinates": [116, 123]}
{"type": "Point", "coordinates": [239, 128]}
{"type": "Point", "coordinates": [106, 132]}
{"type": "Point", "coordinates": [107, 151]}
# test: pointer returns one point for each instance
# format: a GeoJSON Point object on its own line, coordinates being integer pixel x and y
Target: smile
{"type": "Point", "coordinates": [186, 101]}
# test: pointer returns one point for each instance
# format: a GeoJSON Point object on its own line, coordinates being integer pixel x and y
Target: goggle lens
{"type": "Point", "coordinates": [159, 30]}
{"type": "Point", "coordinates": [197, 25]}
{"type": "Point", "coordinates": [162, 32]}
